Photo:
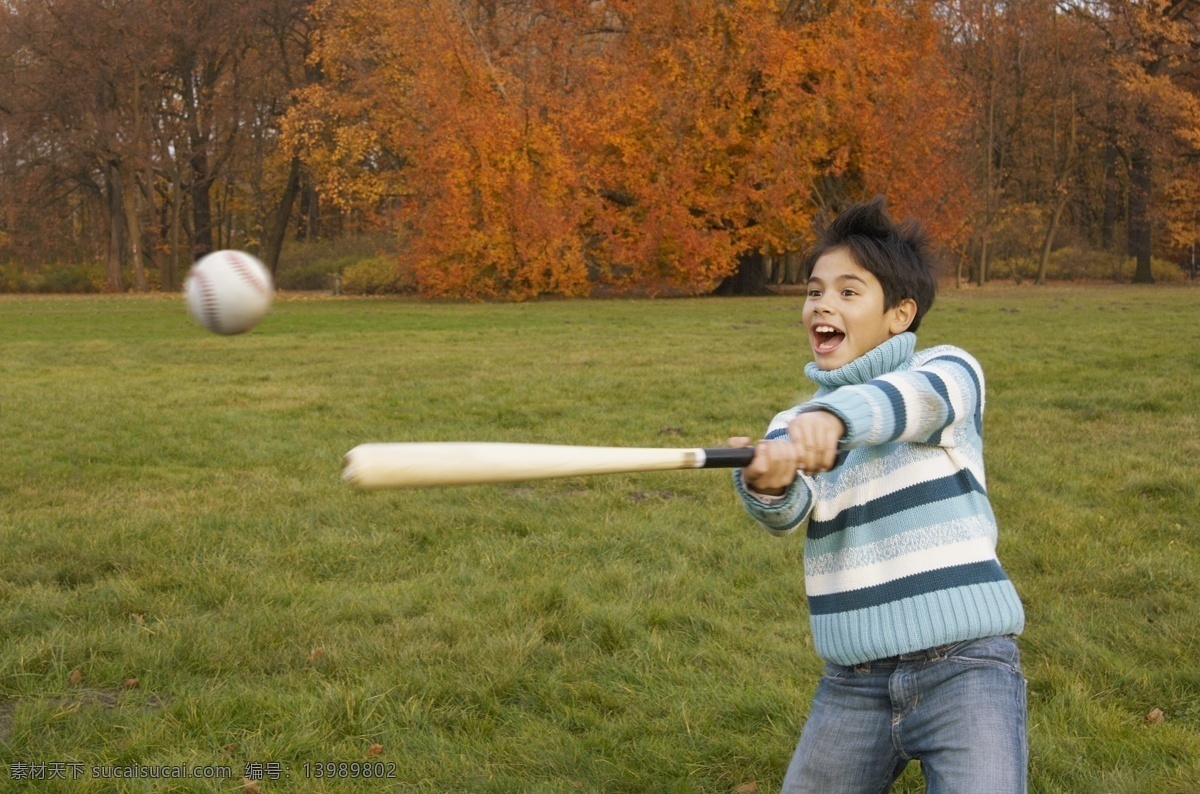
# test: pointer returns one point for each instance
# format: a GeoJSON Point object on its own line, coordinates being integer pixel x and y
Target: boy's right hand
{"type": "Point", "coordinates": [774, 466]}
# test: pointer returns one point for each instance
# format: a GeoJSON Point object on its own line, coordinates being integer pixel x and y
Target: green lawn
{"type": "Point", "coordinates": [184, 580]}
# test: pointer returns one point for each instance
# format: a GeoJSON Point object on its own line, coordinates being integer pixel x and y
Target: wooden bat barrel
{"type": "Point", "coordinates": [427, 464]}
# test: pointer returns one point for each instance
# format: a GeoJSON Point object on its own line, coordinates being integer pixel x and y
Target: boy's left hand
{"type": "Point", "coordinates": [815, 436]}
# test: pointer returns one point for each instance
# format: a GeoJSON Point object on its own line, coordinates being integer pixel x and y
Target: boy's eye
{"type": "Point", "coordinates": [849, 292]}
{"type": "Point", "coordinates": [814, 293]}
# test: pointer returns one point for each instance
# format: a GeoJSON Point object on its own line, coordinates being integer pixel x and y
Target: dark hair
{"type": "Point", "coordinates": [896, 254]}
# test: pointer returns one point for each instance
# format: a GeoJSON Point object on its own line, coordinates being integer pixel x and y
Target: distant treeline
{"type": "Point", "coordinates": [528, 147]}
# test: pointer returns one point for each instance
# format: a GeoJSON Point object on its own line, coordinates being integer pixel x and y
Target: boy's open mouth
{"type": "Point", "coordinates": [827, 337]}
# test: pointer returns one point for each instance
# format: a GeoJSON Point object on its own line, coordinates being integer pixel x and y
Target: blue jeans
{"type": "Point", "coordinates": [959, 709]}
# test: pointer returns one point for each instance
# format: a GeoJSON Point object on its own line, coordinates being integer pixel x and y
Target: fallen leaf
{"type": "Point", "coordinates": [1155, 717]}
{"type": "Point", "coordinates": [76, 677]}
{"type": "Point", "coordinates": [316, 655]}
{"type": "Point", "coordinates": [131, 683]}
{"type": "Point", "coordinates": [375, 749]}
{"type": "Point", "coordinates": [139, 619]}
{"type": "Point", "coordinates": [746, 788]}
{"type": "Point", "coordinates": [251, 786]}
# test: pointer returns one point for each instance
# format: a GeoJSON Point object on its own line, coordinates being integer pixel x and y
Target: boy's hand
{"type": "Point", "coordinates": [773, 468]}
{"type": "Point", "coordinates": [815, 436]}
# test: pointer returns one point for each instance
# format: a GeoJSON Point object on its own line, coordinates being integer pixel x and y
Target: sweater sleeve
{"type": "Point", "coordinates": [780, 516]}
{"type": "Point", "coordinates": [922, 404]}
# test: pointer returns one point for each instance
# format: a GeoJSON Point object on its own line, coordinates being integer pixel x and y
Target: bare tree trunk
{"type": "Point", "coordinates": [1048, 243]}
{"type": "Point", "coordinates": [750, 278]}
{"type": "Point", "coordinates": [201, 178]}
{"type": "Point", "coordinates": [981, 276]}
{"type": "Point", "coordinates": [1062, 184]}
{"type": "Point", "coordinates": [133, 219]}
{"type": "Point", "coordinates": [989, 177]}
{"type": "Point", "coordinates": [313, 227]}
{"type": "Point", "coordinates": [112, 263]}
{"type": "Point", "coordinates": [224, 223]}
{"type": "Point", "coordinates": [284, 213]}
{"type": "Point", "coordinates": [153, 252]}
{"type": "Point", "coordinates": [201, 184]}
{"type": "Point", "coordinates": [133, 205]}
{"type": "Point", "coordinates": [1111, 186]}
{"type": "Point", "coordinates": [172, 281]}
{"type": "Point", "coordinates": [1139, 214]}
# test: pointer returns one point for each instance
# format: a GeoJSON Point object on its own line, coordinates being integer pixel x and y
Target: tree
{"type": "Point", "coordinates": [529, 147]}
{"type": "Point", "coordinates": [121, 119]}
{"type": "Point", "coordinates": [82, 79]}
{"type": "Point", "coordinates": [543, 147]}
{"type": "Point", "coordinates": [1075, 102]}
{"type": "Point", "coordinates": [1154, 59]}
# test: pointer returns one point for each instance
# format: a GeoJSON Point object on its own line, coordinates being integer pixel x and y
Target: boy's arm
{"type": "Point", "coordinates": [771, 489]}
{"type": "Point", "coordinates": [918, 405]}
{"type": "Point", "coordinates": [780, 515]}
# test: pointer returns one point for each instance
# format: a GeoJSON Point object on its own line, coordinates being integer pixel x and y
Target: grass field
{"type": "Point", "coordinates": [185, 581]}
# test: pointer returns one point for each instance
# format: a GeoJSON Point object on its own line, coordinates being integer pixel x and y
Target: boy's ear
{"type": "Point", "coordinates": [901, 316]}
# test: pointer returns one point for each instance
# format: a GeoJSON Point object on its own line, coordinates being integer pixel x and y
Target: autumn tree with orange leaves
{"type": "Point", "coordinates": [518, 148]}
{"type": "Point", "coordinates": [545, 147]}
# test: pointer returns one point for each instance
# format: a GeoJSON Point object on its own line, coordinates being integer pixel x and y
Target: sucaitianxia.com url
{"type": "Point", "coordinates": [74, 770]}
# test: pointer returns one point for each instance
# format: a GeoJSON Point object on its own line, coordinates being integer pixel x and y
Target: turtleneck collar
{"type": "Point", "coordinates": [881, 360]}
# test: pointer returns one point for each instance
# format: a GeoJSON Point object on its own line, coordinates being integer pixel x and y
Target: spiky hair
{"type": "Point", "coordinates": [898, 254]}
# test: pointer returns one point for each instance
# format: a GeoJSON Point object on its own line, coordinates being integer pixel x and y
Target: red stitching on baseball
{"type": "Point", "coordinates": [208, 302]}
{"type": "Point", "coordinates": [246, 273]}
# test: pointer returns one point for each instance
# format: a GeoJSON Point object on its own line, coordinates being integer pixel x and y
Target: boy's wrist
{"type": "Point", "coordinates": [773, 493]}
{"type": "Point", "coordinates": [767, 497]}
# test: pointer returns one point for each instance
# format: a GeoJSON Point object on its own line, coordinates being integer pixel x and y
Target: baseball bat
{"type": "Point", "coordinates": [425, 464]}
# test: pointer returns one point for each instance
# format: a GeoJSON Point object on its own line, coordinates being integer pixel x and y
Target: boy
{"type": "Point", "coordinates": [908, 603]}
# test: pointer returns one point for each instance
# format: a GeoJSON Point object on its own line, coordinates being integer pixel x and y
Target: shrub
{"type": "Point", "coordinates": [1072, 263]}
{"type": "Point", "coordinates": [12, 276]}
{"type": "Point", "coordinates": [1164, 272]}
{"type": "Point", "coordinates": [380, 275]}
{"type": "Point", "coordinates": [315, 275]}
{"type": "Point", "coordinates": [72, 278]}
{"type": "Point", "coordinates": [312, 266]}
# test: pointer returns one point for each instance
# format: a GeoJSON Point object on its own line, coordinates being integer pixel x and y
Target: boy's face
{"type": "Point", "coordinates": [844, 313]}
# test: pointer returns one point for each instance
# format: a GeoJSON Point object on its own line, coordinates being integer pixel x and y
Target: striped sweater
{"type": "Point", "coordinates": [900, 552]}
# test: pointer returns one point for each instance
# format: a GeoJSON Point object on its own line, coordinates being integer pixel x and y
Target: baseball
{"type": "Point", "coordinates": [228, 292]}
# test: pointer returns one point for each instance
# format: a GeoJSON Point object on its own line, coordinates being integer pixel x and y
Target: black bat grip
{"type": "Point", "coordinates": [728, 457]}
